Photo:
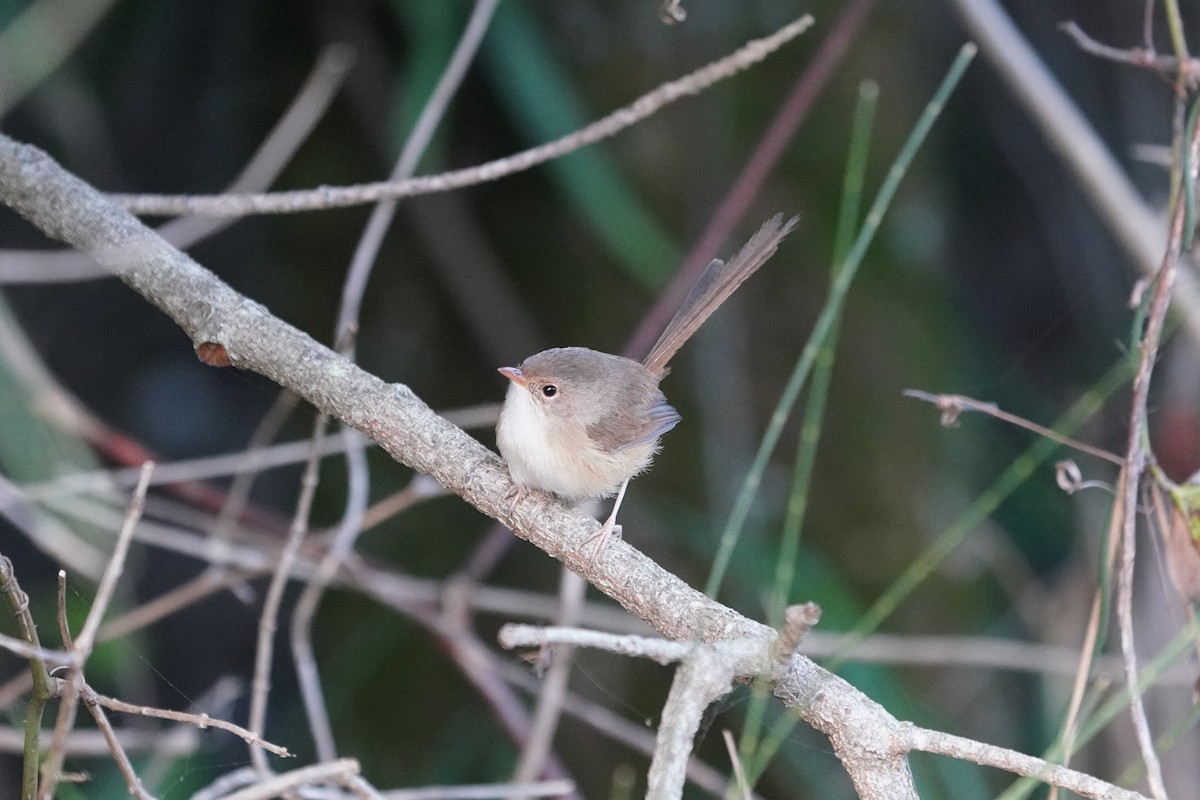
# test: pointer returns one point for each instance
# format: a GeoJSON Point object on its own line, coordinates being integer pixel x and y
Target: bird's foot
{"type": "Point", "coordinates": [514, 496]}
{"type": "Point", "coordinates": [600, 538]}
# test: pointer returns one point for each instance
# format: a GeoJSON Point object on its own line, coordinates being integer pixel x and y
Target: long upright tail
{"type": "Point", "coordinates": [718, 281]}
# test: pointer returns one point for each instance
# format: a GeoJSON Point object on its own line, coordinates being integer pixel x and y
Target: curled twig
{"type": "Point", "coordinates": [952, 405]}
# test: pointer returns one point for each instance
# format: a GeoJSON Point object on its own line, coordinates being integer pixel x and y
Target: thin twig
{"type": "Point", "coordinates": [334, 197]}
{"type": "Point", "coordinates": [1170, 66]}
{"type": "Point", "coordinates": [1136, 460]}
{"type": "Point", "coordinates": [353, 289]}
{"type": "Point", "coordinates": [201, 721]}
{"type": "Point", "coordinates": [206, 467]}
{"type": "Point", "coordinates": [276, 785]}
{"type": "Point", "coordinates": [946, 744]}
{"type": "Point", "coordinates": [485, 791]}
{"type": "Point", "coordinates": [952, 405]}
{"type": "Point", "coordinates": [281, 143]}
{"type": "Point", "coordinates": [116, 565]}
{"type": "Point", "coordinates": [82, 645]}
{"type": "Point", "coordinates": [571, 591]}
{"type": "Point", "coordinates": [637, 737]}
{"type": "Point", "coordinates": [132, 781]}
{"type": "Point", "coordinates": [268, 621]}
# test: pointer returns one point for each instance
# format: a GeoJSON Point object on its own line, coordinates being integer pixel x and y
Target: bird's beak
{"type": "Point", "coordinates": [513, 374]}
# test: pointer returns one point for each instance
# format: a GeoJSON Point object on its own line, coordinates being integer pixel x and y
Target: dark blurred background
{"type": "Point", "coordinates": [991, 276]}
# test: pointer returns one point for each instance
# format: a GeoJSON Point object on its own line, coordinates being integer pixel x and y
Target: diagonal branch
{"type": "Point", "coordinates": [324, 197]}
{"type": "Point", "coordinates": [213, 314]}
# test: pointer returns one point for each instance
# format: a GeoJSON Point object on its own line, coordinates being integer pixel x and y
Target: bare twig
{"type": "Point", "coordinates": [235, 463]}
{"type": "Point", "coordinates": [703, 677]}
{"type": "Point", "coordinates": [82, 646]}
{"type": "Point", "coordinates": [619, 729]}
{"type": "Point", "coordinates": [572, 589]}
{"type": "Point", "coordinates": [1169, 66]}
{"type": "Point", "coordinates": [91, 743]}
{"type": "Point", "coordinates": [353, 289]}
{"type": "Point", "coordinates": [333, 197]}
{"type": "Point", "coordinates": [201, 721]}
{"type": "Point", "coordinates": [269, 619]}
{"type": "Point", "coordinates": [116, 565]}
{"type": "Point", "coordinates": [484, 791]}
{"type": "Point", "coordinates": [1136, 459]}
{"type": "Point", "coordinates": [132, 782]}
{"type": "Point", "coordinates": [952, 406]}
{"type": "Point", "coordinates": [281, 143]}
{"type": "Point", "coordinates": [340, 770]}
{"type": "Point", "coordinates": [1018, 763]}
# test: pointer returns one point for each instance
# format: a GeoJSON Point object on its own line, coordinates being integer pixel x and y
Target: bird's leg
{"type": "Point", "coordinates": [609, 528]}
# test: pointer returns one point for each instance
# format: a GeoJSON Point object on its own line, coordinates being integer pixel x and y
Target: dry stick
{"type": "Point", "coordinates": [354, 288]}
{"type": "Point", "coordinates": [636, 737]}
{"type": "Point", "coordinates": [705, 674]}
{"type": "Point", "coordinates": [704, 677]}
{"type": "Point", "coordinates": [206, 467]}
{"type": "Point", "coordinates": [132, 781]}
{"type": "Point", "coordinates": [24, 649]}
{"type": "Point", "coordinates": [924, 740]}
{"type": "Point", "coordinates": [90, 744]}
{"type": "Point", "coordinates": [253, 459]}
{"type": "Point", "coordinates": [82, 646]}
{"type": "Point", "coordinates": [201, 721]}
{"type": "Point", "coordinates": [620, 730]}
{"type": "Point", "coordinates": [571, 592]}
{"type": "Point", "coordinates": [952, 406]}
{"type": "Point", "coordinates": [485, 791]}
{"type": "Point", "coordinates": [1136, 459]}
{"type": "Point", "coordinates": [1136, 56]}
{"type": "Point", "coordinates": [350, 525]}
{"type": "Point", "coordinates": [265, 647]}
{"type": "Point", "coordinates": [1131, 475]}
{"type": "Point", "coordinates": [276, 785]}
{"type": "Point", "coordinates": [334, 196]}
{"type": "Point", "coordinates": [264, 166]}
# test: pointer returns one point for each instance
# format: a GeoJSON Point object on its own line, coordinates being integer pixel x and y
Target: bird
{"type": "Point", "coordinates": [580, 423]}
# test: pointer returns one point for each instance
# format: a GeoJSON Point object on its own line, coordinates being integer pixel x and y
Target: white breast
{"type": "Point", "coordinates": [569, 465]}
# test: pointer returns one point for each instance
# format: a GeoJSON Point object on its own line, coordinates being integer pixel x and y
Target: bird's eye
{"type": "Point", "coordinates": [549, 390]}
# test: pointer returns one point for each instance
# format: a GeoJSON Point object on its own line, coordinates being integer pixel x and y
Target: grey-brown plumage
{"type": "Point", "coordinates": [581, 423]}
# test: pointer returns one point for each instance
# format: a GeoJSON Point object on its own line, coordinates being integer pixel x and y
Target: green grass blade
{"type": "Point", "coordinates": [825, 321]}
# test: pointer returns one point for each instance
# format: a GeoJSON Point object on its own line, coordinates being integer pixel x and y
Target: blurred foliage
{"type": "Point", "coordinates": [991, 277]}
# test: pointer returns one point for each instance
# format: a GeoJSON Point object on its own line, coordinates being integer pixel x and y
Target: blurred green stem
{"type": "Point", "coordinates": [825, 321]}
{"type": "Point", "coordinates": [814, 411]}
